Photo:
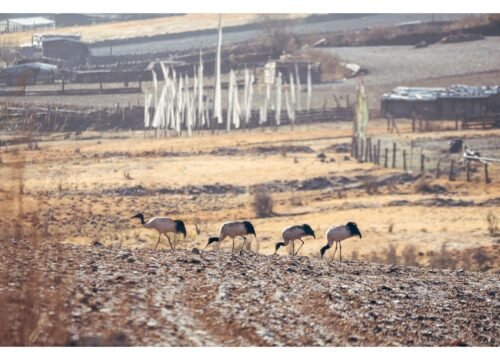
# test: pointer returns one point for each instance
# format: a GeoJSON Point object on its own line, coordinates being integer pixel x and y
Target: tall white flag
{"type": "Point", "coordinates": [309, 87]}
{"type": "Point", "coordinates": [147, 104]}
{"type": "Point", "coordinates": [299, 87]}
{"type": "Point", "coordinates": [218, 99]}
{"type": "Point", "coordinates": [230, 94]}
{"type": "Point", "coordinates": [236, 103]}
{"type": "Point", "coordinates": [278, 99]}
{"type": "Point", "coordinates": [201, 114]}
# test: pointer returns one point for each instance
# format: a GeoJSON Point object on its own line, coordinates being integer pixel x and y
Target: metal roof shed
{"type": "Point", "coordinates": [28, 24]}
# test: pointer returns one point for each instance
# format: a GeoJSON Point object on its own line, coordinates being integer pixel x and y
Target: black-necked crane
{"type": "Point", "coordinates": [232, 230]}
{"type": "Point", "coordinates": [164, 226]}
{"type": "Point", "coordinates": [292, 233]}
{"type": "Point", "coordinates": [336, 234]}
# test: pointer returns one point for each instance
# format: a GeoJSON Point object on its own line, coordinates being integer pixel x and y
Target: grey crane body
{"type": "Point", "coordinates": [233, 230]}
{"type": "Point", "coordinates": [336, 234]}
{"type": "Point", "coordinates": [164, 226]}
{"type": "Point", "coordinates": [292, 233]}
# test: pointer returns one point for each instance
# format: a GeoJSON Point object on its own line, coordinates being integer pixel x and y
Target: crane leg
{"type": "Point", "coordinates": [293, 248]}
{"type": "Point", "coordinates": [232, 250]}
{"type": "Point", "coordinates": [158, 241]}
{"type": "Point", "coordinates": [333, 257]}
{"type": "Point", "coordinates": [170, 242]}
{"type": "Point", "coordinates": [243, 245]}
{"type": "Point", "coordinates": [302, 241]}
{"type": "Point", "coordinates": [340, 252]}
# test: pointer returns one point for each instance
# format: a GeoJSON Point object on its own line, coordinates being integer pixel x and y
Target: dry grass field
{"type": "Point", "coordinates": [85, 188]}
{"type": "Point", "coordinates": [76, 270]}
{"type": "Point", "coordinates": [147, 27]}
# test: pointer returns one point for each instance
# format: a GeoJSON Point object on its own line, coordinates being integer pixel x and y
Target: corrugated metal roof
{"type": "Point", "coordinates": [454, 91]}
{"type": "Point", "coordinates": [38, 20]}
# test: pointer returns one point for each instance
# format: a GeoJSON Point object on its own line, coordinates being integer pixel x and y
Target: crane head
{"type": "Point", "coordinates": [139, 216]}
{"type": "Point", "coordinates": [211, 240]}
{"type": "Point", "coordinates": [278, 245]}
{"type": "Point", "coordinates": [323, 249]}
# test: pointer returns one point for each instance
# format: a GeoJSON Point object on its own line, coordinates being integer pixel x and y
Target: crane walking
{"type": "Point", "coordinates": [336, 234]}
{"type": "Point", "coordinates": [164, 226]}
{"type": "Point", "coordinates": [232, 230]}
{"type": "Point", "coordinates": [292, 233]}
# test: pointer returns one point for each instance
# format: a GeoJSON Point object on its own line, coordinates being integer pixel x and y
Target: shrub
{"type": "Point", "coordinates": [409, 255]}
{"type": "Point", "coordinates": [391, 256]}
{"type": "Point", "coordinates": [442, 259]}
{"type": "Point", "coordinates": [492, 223]}
{"type": "Point", "coordinates": [482, 259]}
{"type": "Point", "coordinates": [262, 204]}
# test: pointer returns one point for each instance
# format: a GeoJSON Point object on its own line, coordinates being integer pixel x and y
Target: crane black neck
{"type": "Point", "coordinates": [140, 217]}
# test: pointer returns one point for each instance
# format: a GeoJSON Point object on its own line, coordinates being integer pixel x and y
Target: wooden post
{"type": "Point", "coordinates": [374, 151]}
{"type": "Point", "coordinates": [413, 124]}
{"type": "Point", "coordinates": [362, 149]}
{"type": "Point", "coordinates": [438, 169]}
{"type": "Point", "coordinates": [487, 180]}
{"type": "Point", "coordinates": [422, 163]}
{"type": "Point", "coordinates": [354, 147]}
{"type": "Point", "coordinates": [386, 157]}
{"type": "Point", "coordinates": [393, 155]}
{"type": "Point", "coordinates": [467, 167]}
{"type": "Point", "coordinates": [456, 123]}
{"type": "Point", "coordinates": [62, 86]}
{"type": "Point", "coordinates": [368, 155]}
{"type": "Point", "coordinates": [452, 171]}
{"type": "Point", "coordinates": [378, 151]}
{"type": "Point", "coordinates": [404, 160]}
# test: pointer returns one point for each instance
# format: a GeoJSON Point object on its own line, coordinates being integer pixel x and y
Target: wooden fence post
{"type": "Point", "coordinates": [487, 180]}
{"type": "Point", "coordinates": [438, 169]}
{"type": "Point", "coordinates": [368, 155]}
{"type": "Point", "coordinates": [467, 168]}
{"type": "Point", "coordinates": [362, 149]}
{"type": "Point", "coordinates": [452, 171]}
{"type": "Point", "coordinates": [378, 151]}
{"type": "Point", "coordinates": [374, 151]}
{"type": "Point", "coordinates": [394, 155]}
{"type": "Point", "coordinates": [404, 160]}
{"type": "Point", "coordinates": [422, 163]}
{"type": "Point", "coordinates": [386, 157]}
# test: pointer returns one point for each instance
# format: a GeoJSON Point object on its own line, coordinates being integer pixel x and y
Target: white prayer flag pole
{"type": "Point", "coordinates": [299, 87]}
{"type": "Point", "coordinates": [309, 87]}
{"type": "Point", "coordinates": [278, 99]}
{"type": "Point", "coordinates": [217, 97]}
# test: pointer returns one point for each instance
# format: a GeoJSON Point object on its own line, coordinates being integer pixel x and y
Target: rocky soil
{"type": "Point", "coordinates": [100, 295]}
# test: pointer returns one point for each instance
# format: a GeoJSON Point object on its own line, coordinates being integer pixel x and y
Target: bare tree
{"type": "Point", "coordinates": [277, 29]}
{"type": "Point", "coordinates": [10, 51]}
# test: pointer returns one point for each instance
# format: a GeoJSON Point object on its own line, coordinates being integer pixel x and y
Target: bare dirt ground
{"type": "Point", "coordinates": [113, 296]}
{"type": "Point", "coordinates": [76, 270]}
